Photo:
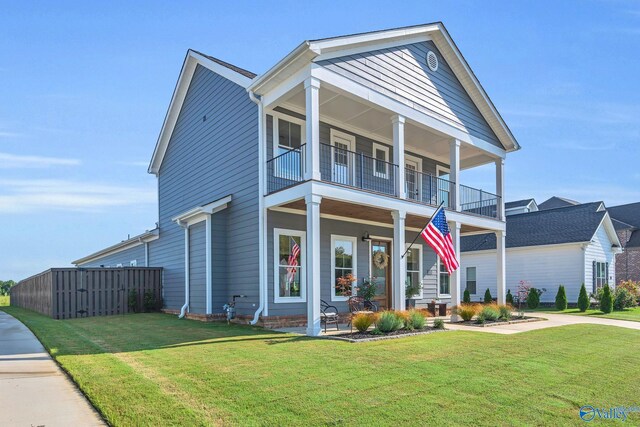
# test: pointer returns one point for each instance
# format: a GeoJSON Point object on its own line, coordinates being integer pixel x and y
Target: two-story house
{"type": "Point", "coordinates": [328, 164]}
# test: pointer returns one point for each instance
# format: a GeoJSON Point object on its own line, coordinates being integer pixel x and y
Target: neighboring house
{"type": "Point", "coordinates": [626, 220]}
{"type": "Point", "coordinates": [520, 206]}
{"type": "Point", "coordinates": [566, 246]}
{"type": "Point", "coordinates": [133, 252]}
{"type": "Point", "coordinates": [330, 163]}
{"type": "Point", "coordinates": [556, 202]}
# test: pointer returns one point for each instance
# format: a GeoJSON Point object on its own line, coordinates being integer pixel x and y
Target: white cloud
{"type": "Point", "coordinates": [24, 196]}
{"type": "Point", "coordinates": [14, 161]}
{"type": "Point", "coordinates": [8, 134]}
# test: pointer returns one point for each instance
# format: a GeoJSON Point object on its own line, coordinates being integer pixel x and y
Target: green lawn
{"type": "Point", "coordinates": [153, 369]}
{"type": "Point", "coordinates": [4, 300]}
{"type": "Point", "coordinates": [626, 314]}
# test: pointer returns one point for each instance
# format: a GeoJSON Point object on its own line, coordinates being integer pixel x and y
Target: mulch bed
{"type": "Point", "coordinates": [368, 336]}
{"type": "Point", "coordinates": [513, 320]}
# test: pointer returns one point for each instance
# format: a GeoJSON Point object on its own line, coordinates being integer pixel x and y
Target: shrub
{"type": "Point", "coordinates": [376, 331]}
{"type": "Point", "coordinates": [389, 321]}
{"type": "Point", "coordinates": [509, 297]}
{"type": "Point", "coordinates": [438, 324]}
{"type": "Point", "coordinates": [505, 312]}
{"type": "Point", "coordinates": [583, 299]}
{"type": "Point", "coordinates": [466, 297]}
{"type": "Point", "coordinates": [622, 299]}
{"type": "Point", "coordinates": [367, 289]}
{"type": "Point", "coordinates": [488, 313]}
{"type": "Point", "coordinates": [533, 299]}
{"type": "Point", "coordinates": [362, 321]}
{"type": "Point", "coordinates": [132, 300]}
{"type": "Point", "coordinates": [415, 320]}
{"type": "Point", "coordinates": [561, 298]}
{"type": "Point", "coordinates": [488, 299]}
{"type": "Point", "coordinates": [606, 301]}
{"type": "Point", "coordinates": [632, 287]}
{"type": "Point", "coordinates": [467, 311]}
{"type": "Point", "coordinates": [150, 303]}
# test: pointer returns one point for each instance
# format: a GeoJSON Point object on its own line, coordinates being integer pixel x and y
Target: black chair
{"type": "Point", "coordinates": [328, 314]}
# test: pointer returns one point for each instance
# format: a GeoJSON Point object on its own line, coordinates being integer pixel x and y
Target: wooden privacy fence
{"type": "Point", "coordinates": [65, 293]}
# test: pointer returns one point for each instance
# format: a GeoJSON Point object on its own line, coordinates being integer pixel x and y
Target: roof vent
{"type": "Point", "coordinates": [432, 61]}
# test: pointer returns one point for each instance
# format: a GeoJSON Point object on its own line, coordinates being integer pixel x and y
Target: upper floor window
{"type": "Point", "coordinates": [289, 136]}
{"type": "Point", "coordinates": [381, 159]}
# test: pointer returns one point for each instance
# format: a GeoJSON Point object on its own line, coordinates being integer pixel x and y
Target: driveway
{"type": "Point", "coordinates": [33, 389]}
{"type": "Point", "coordinates": [552, 321]}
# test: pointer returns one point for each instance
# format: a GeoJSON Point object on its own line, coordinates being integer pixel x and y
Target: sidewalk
{"type": "Point", "coordinates": [33, 389]}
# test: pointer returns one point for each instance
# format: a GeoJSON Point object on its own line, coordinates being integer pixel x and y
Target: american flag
{"type": "Point", "coordinates": [292, 262]}
{"type": "Point", "coordinates": [437, 235]}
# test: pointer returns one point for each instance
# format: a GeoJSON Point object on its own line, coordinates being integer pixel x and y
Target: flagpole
{"type": "Point", "coordinates": [425, 226]}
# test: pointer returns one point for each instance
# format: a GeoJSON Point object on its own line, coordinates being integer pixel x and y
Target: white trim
{"type": "Point", "coordinates": [351, 144]}
{"type": "Point", "coordinates": [133, 263]}
{"type": "Point", "coordinates": [275, 116]}
{"type": "Point", "coordinates": [208, 267]}
{"type": "Point", "coordinates": [385, 149]}
{"type": "Point", "coordinates": [354, 261]}
{"type": "Point", "coordinates": [200, 213]}
{"type": "Point", "coordinates": [466, 278]}
{"type": "Point", "coordinates": [390, 241]}
{"type": "Point", "coordinates": [368, 47]}
{"type": "Point", "coordinates": [138, 240]}
{"type": "Point", "coordinates": [439, 295]}
{"type": "Point", "coordinates": [420, 269]}
{"type": "Point", "coordinates": [277, 232]}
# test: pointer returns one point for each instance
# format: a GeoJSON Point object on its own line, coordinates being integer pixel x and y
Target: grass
{"type": "Point", "coordinates": [153, 369]}
{"type": "Point", "coordinates": [4, 300]}
{"type": "Point", "coordinates": [632, 314]}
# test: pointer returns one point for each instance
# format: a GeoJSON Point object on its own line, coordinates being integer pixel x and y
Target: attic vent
{"type": "Point", "coordinates": [432, 61]}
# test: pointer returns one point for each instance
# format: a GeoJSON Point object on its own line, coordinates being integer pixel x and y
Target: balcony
{"type": "Point", "coordinates": [357, 170]}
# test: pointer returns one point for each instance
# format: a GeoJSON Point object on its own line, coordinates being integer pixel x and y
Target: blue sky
{"type": "Point", "coordinates": [84, 87]}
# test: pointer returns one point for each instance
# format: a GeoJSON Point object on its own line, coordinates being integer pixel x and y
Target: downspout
{"type": "Point", "coordinates": [185, 307]}
{"type": "Point", "coordinates": [262, 283]}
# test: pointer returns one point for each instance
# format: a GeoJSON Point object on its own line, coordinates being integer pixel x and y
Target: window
{"type": "Point", "coordinates": [444, 185]}
{"type": "Point", "coordinates": [414, 269]}
{"type": "Point", "coordinates": [413, 177]}
{"type": "Point", "coordinates": [443, 279]}
{"type": "Point", "coordinates": [289, 264]}
{"type": "Point", "coordinates": [600, 275]}
{"type": "Point", "coordinates": [471, 280]}
{"type": "Point", "coordinates": [288, 137]}
{"type": "Point", "coordinates": [344, 260]}
{"type": "Point", "coordinates": [133, 263]}
{"type": "Point", "coordinates": [342, 166]}
{"type": "Point", "coordinates": [381, 159]}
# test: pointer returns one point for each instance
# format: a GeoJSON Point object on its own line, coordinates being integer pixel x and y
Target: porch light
{"type": "Point", "coordinates": [366, 237]}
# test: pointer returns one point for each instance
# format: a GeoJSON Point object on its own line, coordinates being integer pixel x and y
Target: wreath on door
{"type": "Point", "coordinates": [380, 259]}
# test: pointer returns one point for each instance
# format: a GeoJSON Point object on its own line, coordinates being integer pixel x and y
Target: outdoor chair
{"type": "Point", "coordinates": [328, 314]}
{"type": "Point", "coordinates": [359, 305]}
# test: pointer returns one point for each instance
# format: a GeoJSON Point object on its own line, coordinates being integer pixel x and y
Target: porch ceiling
{"type": "Point", "coordinates": [375, 122]}
{"type": "Point", "coordinates": [358, 212]}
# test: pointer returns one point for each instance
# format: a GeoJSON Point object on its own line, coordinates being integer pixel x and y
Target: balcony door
{"type": "Point", "coordinates": [343, 147]}
{"type": "Point", "coordinates": [413, 177]}
{"type": "Point", "coordinates": [444, 186]}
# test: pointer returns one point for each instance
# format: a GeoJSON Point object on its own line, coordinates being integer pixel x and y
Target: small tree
{"type": "Point", "coordinates": [509, 297]}
{"type": "Point", "coordinates": [583, 299]}
{"type": "Point", "coordinates": [132, 300]}
{"type": "Point", "coordinates": [466, 297]}
{"type": "Point", "coordinates": [488, 299]}
{"type": "Point", "coordinates": [533, 299]}
{"type": "Point", "coordinates": [606, 304]}
{"type": "Point", "coordinates": [561, 298]}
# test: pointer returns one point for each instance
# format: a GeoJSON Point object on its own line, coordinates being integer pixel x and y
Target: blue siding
{"type": "Point", "coordinates": [197, 268]}
{"type": "Point", "coordinates": [206, 160]}
{"type": "Point", "coordinates": [124, 257]}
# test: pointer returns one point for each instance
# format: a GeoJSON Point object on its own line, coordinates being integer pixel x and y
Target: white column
{"type": "Point", "coordinates": [399, 265]}
{"type": "Point", "coordinates": [398, 154]}
{"type": "Point", "coordinates": [454, 280]}
{"type": "Point", "coordinates": [313, 264]}
{"type": "Point", "coordinates": [208, 279]}
{"type": "Point", "coordinates": [312, 150]}
{"type": "Point", "coordinates": [454, 173]}
{"type": "Point", "coordinates": [501, 266]}
{"type": "Point", "coordinates": [500, 187]}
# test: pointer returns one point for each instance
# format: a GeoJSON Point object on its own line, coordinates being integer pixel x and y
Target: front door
{"type": "Point", "coordinates": [381, 272]}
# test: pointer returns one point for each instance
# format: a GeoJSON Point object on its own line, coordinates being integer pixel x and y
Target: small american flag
{"type": "Point", "coordinates": [437, 235]}
{"type": "Point", "coordinates": [292, 262]}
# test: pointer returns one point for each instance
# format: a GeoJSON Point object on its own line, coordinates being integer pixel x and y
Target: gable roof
{"type": "Point", "coordinates": [131, 242]}
{"type": "Point", "coordinates": [634, 240]}
{"type": "Point", "coordinates": [629, 213]}
{"type": "Point", "coordinates": [571, 224]}
{"type": "Point", "coordinates": [518, 204]}
{"type": "Point", "coordinates": [314, 50]}
{"type": "Point", "coordinates": [193, 58]}
{"type": "Point", "coordinates": [556, 202]}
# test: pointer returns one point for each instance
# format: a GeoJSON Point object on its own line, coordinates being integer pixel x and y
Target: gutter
{"type": "Point", "coordinates": [262, 216]}
{"type": "Point", "coordinates": [185, 307]}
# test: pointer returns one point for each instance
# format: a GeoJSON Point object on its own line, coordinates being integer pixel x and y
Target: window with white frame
{"type": "Point", "coordinates": [381, 159]}
{"type": "Point", "coordinates": [288, 137]}
{"type": "Point", "coordinates": [601, 274]}
{"type": "Point", "coordinates": [471, 280]}
{"type": "Point", "coordinates": [444, 287]}
{"type": "Point", "coordinates": [344, 261]}
{"type": "Point", "coordinates": [133, 263]}
{"type": "Point", "coordinates": [289, 265]}
{"type": "Point", "coordinates": [414, 269]}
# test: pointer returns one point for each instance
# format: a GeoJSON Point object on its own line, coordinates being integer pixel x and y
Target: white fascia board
{"type": "Point", "coordinates": [122, 246]}
{"type": "Point", "coordinates": [192, 59]}
{"type": "Point", "coordinates": [200, 213]}
{"type": "Point", "coordinates": [557, 246]}
{"type": "Point", "coordinates": [343, 84]}
{"type": "Point", "coordinates": [295, 54]}
{"type": "Point", "coordinates": [609, 229]}
{"type": "Point", "coordinates": [370, 46]}
{"type": "Point", "coordinates": [274, 95]}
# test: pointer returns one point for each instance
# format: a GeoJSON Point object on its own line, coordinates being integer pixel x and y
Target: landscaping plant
{"type": "Point", "coordinates": [622, 299]}
{"type": "Point", "coordinates": [488, 299]}
{"type": "Point", "coordinates": [583, 299]}
{"type": "Point", "coordinates": [561, 298]}
{"type": "Point", "coordinates": [389, 321]}
{"type": "Point", "coordinates": [415, 320]}
{"type": "Point", "coordinates": [632, 287]}
{"type": "Point", "coordinates": [505, 312]}
{"type": "Point", "coordinates": [509, 297]}
{"type": "Point", "coordinates": [362, 321]}
{"type": "Point", "coordinates": [489, 313]}
{"type": "Point", "coordinates": [466, 297]}
{"type": "Point", "coordinates": [367, 289]}
{"type": "Point", "coordinates": [467, 311]}
{"type": "Point", "coordinates": [533, 299]}
{"type": "Point", "coordinates": [132, 300]}
{"type": "Point", "coordinates": [150, 301]}
{"type": "Point", "coordinates": [438, 324]}
{"type": "Point", "coordinates": [606, 300]}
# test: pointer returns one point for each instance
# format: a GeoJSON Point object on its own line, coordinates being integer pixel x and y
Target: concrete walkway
{"type": "Point", "coordinates": [33, 389]}
{"type": "Point", "coordinates": [553, 320]}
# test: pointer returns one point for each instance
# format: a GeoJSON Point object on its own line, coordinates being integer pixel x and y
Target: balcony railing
{"type": "Point", "coordinates": [358, 170]}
